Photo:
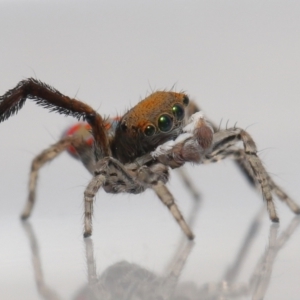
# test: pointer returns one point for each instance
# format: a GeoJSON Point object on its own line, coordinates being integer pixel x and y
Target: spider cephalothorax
{"type": "Point", "coordinates": [134, 152]}
{"type": "Point", "coordinates": [153, 121]}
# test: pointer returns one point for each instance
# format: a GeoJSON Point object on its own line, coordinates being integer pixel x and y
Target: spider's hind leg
{"type": "Point", "coordinates": [224, 146]}
{"type": "Point", "coordinates": [45, 156]}
{"type": "Point", "coordinates": [284, 197]}
{"type": "Point", "coordinates": [242, 162]}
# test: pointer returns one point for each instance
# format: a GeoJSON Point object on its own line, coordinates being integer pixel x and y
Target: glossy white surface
{"type": "Point", "coordinates": [240, 62]}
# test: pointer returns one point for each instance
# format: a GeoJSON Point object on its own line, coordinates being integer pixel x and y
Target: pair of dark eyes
{"type": "Point", "coordinates": [165, 121]}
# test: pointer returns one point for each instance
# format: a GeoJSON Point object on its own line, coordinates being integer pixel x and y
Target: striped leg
{"type": "Point", "coordinates": [167, 199]}
{"type": "Point", "coordinates": [155, 177]}
{"type": "Point", "coordinates": [44, 157]}
{"type": "Point", "coordinates": [89, 195]}
{"type": "Point", "coordinates": [223, 147]}
{"type": "Point", "coordinates": [114, 178]}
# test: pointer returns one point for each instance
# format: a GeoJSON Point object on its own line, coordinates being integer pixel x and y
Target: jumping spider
{"type": "Point", "coordinates": [134, 152]}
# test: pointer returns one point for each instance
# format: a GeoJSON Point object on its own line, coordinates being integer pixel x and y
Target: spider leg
{"type": "Point", "coordinates": [89, 195]}
{"type": "Point", "coordinates": [204, 146]}
{"type": "Point", "coordinates": [50, 98]}
{"type": "Point", "coordinates": [44, 157]}
{"type": "Point", "coordinates": [284, 197]}
{"type": "Point", "coordinates": [117, 178]}
{"type": "Point", "coordinates": [114, 178]}
{"type": "Point", "coordinates": [150, 178]}
{"type": "Point", "coordinates": [167, 199]}
{"type": "Point", "coordinates": [252, 165]}
{"type": "Point", "coordinates": [250, 151]}
{"type": "Point", "coordinates": [239, 156]}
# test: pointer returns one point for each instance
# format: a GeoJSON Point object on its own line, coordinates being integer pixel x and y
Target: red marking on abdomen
{"type": "Point", "coordinates": [82, 130]}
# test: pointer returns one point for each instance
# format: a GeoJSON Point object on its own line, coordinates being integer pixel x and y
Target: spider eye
{"type": "Point", "coordinates": [149, 130]}
{"type": "Point", "coordinates": [165, 123]}
{"type": "Point", "coordinates": [123, 126]}
{"type": "Point", "coordinates": [178, 112]}
{"type": "Point", "coordinates": [186, 100]}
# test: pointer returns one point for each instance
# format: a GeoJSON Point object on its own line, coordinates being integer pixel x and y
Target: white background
{"type": "Point", "coordinates": [239, 60]}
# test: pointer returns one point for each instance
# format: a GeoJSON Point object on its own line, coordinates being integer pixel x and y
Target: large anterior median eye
{"type": "Point", "coordinates": [165, 123]}
{"type": "Point", "coordinates": [178, 112]}
{"type": "Point", "coordinates": [149, 130]}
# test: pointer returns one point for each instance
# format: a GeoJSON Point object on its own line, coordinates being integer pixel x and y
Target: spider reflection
{"type": "Point", "coordinates": [130, 281]}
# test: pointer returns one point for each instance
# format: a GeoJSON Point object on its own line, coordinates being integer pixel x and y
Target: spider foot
{"type": "Point", "coordinates": [191, 236]}
{"type": "Point", "coordinates": [275, 220]}
{"type": "Point", "coordinates": [87, 234]}
{"type": "Point", "coordinates": [184, 226]}
{"type": "Point", "coordinates": [24, 216]}
{"type": "Point", "coordinates": [295, 208]}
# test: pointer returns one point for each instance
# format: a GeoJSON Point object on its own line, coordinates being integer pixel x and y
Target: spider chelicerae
{"type": "Point", "coordinates": [134, 152]}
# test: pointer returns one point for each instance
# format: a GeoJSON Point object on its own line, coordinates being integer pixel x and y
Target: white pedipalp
{"type": "Point", "coordinates": [193, 122]}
